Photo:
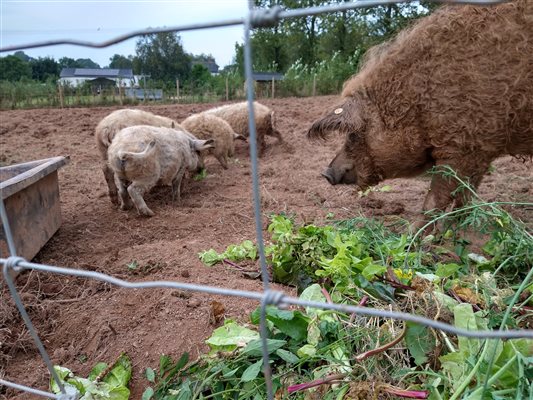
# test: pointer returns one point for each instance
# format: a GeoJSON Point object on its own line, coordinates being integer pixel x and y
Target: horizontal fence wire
{"type": "Point", "coordinates": [281, 300]}
{"type": "Point", "coordinates": [30, 390]}
{"type": "Point", "coordinates": [258, 18]}
{"type": "Point", "coordinates": [255, 18]}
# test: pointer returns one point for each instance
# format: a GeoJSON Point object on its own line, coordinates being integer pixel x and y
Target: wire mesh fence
{"type": "Point", "coordinates": [255, 18]}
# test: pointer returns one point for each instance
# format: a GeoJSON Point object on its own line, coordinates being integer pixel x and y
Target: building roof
{"type": "Point", "coordinates": [210, 64]}
{"type": "Point", "coordinates": [96, 73]}
{"type": "Point", "coordinates": [267, 76]}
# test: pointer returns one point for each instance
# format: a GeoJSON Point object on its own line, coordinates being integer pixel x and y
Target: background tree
{"type": "Point", "coordinates": [238, 59]}
{"type": "Point", "coordinates": [43, 69]}
{"type": "Point", "coordinates": [67, 62]}
{"type": "Point", "coordinates": [86, 63]}
{"type": "Point", "coordinates": [308, 41]}
{"type": "Point", "coordinates": [199, 76]}
{"type": "Point", "coordinates": [343, 32]}
{"type": "Point", "coordinates": [121, 62]}
{"type": "Point", "coordinates": [302, 33]}
{"type": "Point", "coordinates": [384, 21]}
{"type": "Point", "coordinates": [23, 56]}
{"type": "Point", "coordinates": [12, 68]}
{"type": "Point", "coordinates": [161, 55]}
{"type": "Point", "coordinates": [202, 57]}
{"type": "Point", "coordinates": [269, 51]}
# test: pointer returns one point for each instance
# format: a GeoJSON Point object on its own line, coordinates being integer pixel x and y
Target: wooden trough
{"type": "Point", "coordinates": [30, 192]}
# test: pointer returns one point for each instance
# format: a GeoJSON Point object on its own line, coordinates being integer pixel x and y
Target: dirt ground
{"type": "Point", "coordinates": [82, 321]}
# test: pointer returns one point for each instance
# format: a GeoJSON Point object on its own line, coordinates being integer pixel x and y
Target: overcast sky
{"type": "Point", "coordinates": [26, 21]}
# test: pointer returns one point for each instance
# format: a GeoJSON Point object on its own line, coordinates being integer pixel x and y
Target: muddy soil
{"type": "Point", "coordinates": [84, 321]}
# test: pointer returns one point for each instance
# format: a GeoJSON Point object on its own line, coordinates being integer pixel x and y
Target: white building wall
{"type": "Point", "coordinates": [77, 81]}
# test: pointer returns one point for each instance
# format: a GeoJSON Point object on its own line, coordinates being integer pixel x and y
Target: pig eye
{"type": "Point", "coordinates": [353, 137]}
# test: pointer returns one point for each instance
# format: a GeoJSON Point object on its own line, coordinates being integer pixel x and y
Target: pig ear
{"type": "Point", "coordinates": [200, 145]}
{"type": "Point", "coordinates": [343, 119]}
{"type": "Point", "coordinates": [240, 137]}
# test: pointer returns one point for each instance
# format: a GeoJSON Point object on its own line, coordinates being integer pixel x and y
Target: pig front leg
{"type": "Point", "coordinates": [261, 142]}
{"type": "Point", "coordinates": [222, 158]}
{"type": "Point", "coordinates": [443, 189]}
{"type": "Point", "coordinates": [438, 198]}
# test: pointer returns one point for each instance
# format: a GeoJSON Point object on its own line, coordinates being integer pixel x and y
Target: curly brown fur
{"type": "Point", "coordinates": [457, 73]}
{"type": "Point", "coordinates": [344, 118]}
{"type": "Point", "coordinates": [454, 89]}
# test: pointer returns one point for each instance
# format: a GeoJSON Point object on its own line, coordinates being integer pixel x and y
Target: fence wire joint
{"type": "Point", "coordinates": [11, 266]}
{"type": "Point", "coordinates": [71, 393]}
{"type": "Point", "coordinates": [266, 18]}
{"type": "Point", "coordinates": [273, 297]}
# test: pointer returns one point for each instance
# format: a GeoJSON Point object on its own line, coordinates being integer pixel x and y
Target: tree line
{"type": "Point", "coordinates": [317, 38]}
{"type": "Point", "coordinates": [324, 47]}
{"type": "Point", "coordinates": [20, 66]}
{"type": "Point", "coordinates": [159, 56]}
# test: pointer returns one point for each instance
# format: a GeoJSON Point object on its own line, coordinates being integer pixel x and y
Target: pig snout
{"type": "Point", "coordinates": [336, 177]}
{"type": "Point", "coordinates": [328, 174]}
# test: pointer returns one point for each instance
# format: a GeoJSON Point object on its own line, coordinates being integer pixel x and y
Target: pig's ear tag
{"type": "Point", "coordinates": [338, 111]}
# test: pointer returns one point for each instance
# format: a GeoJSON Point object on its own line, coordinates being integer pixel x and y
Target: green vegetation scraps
{"type": "Point", "coordinates": [330, 355]}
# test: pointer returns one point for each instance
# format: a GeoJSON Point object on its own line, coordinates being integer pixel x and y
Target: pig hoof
{"type": "Point", "coordinates": [114, 198]}
{"type": "Point", "coordinates": [125, 206]}
{"type": "Point", "coordinates": [147, 213]}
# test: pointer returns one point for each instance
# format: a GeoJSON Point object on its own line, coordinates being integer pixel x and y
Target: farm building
{"type": "Point", "coordinates": [265, 83]}
{"type": "Point", "coordinates": [209, 63]}
{"type": "Point", "coordinates": [267, 76]}
{"type": "Point", "coordinates": [101, 77]}
{"type": "Point", "coordinates": [108, 78]}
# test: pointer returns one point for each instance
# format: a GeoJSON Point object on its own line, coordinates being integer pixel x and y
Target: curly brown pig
{"type": "Point", "coordinates": [455, 89]}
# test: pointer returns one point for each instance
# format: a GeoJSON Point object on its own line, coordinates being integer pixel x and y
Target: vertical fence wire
{"type": "Point", "coordinates": [253, 150]}
{"type": "Point", "coordinates": [7, 228]}
{"type": "Point", "coordinates": [254, 18]}
{"type": "Point", "coordinates": [248, 71]}
{"type": "Point", "coordinates": [11, 265]}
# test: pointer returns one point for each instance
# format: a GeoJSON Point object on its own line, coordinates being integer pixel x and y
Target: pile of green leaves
{"type": "Point", "coordinates": [302, 344]}
{"type": "Point", "coordinates": [348, 256]}
{"type": "Point", "coordinates": [359, 256]}
{"type": "Point", "coordinates": [234, 252]}
{"type": "Point", "coordinates": [502, 370]}
{"type": "Point", "coordinates": [103, 382]}
{"type": "Point", "coordinates": [487, 289]}
{"type": "Point", "coordinates": [309, 345]}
